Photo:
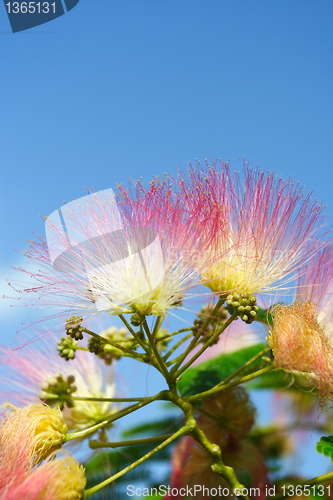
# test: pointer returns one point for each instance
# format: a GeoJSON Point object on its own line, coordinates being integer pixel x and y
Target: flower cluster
{"type": "Point", "coordinates": [230, 234]}
{"type": "Point", "coordinates": [144, 252]}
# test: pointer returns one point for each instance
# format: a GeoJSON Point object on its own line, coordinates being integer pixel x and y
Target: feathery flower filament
{"type": "Point", "coordinates": [42, 427]}
{"type": "Point", "coordinates": [315, 284]}
{"type": "Point", "coordinates": [97, 259]}
{"type": "Point", "coordinates": [56, 479]}
{"type": "Point", "coordinates": [255, 233]}
{"type": "Point", "coordinates": [300, 344]}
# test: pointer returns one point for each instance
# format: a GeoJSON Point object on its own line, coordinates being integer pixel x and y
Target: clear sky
{"type": "Point", "coordinates": [118, 89]}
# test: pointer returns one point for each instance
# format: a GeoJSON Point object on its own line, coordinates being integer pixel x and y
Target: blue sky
{"type": "Point", "coordinates": [118, 89]}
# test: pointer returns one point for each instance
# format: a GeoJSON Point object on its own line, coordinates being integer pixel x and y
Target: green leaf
{"type": "Point", "coordinates": [209, 373]}
{"type": "Point", "coordinates": [325, 446]}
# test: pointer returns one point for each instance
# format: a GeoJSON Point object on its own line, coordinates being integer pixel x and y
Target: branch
{"type": "Point", "coordinates": [180, 432]}
{"type": "Point", "coordinates": [222, 387]}
{"type": "Point", "coordinates": [205, 346]}
{"type": "Point", "coordinates": [197, 335]}
{"type": "Point", "coordinates": [96, 444]}
{"type": "Point", "coordinates": [114, 417]}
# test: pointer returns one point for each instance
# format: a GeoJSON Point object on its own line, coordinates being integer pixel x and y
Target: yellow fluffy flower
{"type": "Point", "coordinates": [42, 428]}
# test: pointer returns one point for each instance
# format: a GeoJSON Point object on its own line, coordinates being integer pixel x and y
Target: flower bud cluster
{"type": "Point", "coordinates": [136, 319]}
{"type": "Point", "coordinates": [67, 348]}
{"type": "Point", "coordinates": [108, 352]}
{"type": "Point", "coordinates": [58, 390]}
{"type": "Point", "coordinates": [245, 305]}
{"type": "Point", "coordinates": [73, 327]}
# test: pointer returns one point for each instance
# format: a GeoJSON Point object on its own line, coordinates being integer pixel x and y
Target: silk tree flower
{"type": "Point", "coordinates": [256, 230]}
{"type": "Point", "coordinates": [28, 368]}
{"type": "Point", "coordinates": [315, 284]}
{"type": "Point", "coordinates": [300, 344]}
{"type": "Point", "coordinates": [56, 479]}
{"type": "Point", "coordinates": [41, 427]}
{"type": "Point", "coordinates": [97, 258]}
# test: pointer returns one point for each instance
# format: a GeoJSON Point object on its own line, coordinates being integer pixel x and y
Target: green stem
{"type": "Point", "coordinates": [213, 449]}
{"type": "Point", "coordinates": [79, 348]}
{"type": "Point", "coordinates": [245, 365]}
{"type": "Point", "coordinates": [156, 328]}
{"type": "Point", "coordinates": [113, 344]}
{"type": "Point", "coordinates": [172, 350]}
{"type": "Point", "coordinates": [222, 387]}
{"type": "Point", "coordinates": [309, 482]}
{"type": "Point", "coordinates": [172, 361]}
{"type": "Point", "coordinates": [111, 400]}
{"type": "Point", "coordinates": [96, 444]}
{"type": "Point", "coordinates": [206, 345]}
{"type": "Point", "coordinates": [197, 335]}
{"type": "Point", "coordinates": [180, 432]}
{"type": "Point", "coordinates": [135, 335]}
{"type": "Point", "coordinates": [80, 434]}
{"type": "Point", "coordinates": [156, 353]}
{"type": "Point", "coordinates": [114, 417]}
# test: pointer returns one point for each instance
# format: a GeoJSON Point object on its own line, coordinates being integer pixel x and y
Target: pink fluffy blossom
{"type": "Point", "coordinates": [132, 260]}
{"type": "Point", "coordinates": [56, 479]}
{"type": "Point", "coordinates": [256, 230]}
{"type": "Point", "coordinates": [300, 345]}
{"type": "Point", "coordinates": [315, 284]}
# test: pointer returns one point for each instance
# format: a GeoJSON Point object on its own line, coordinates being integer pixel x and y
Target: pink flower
{"type": "Point", "coordinates": [315, 284]}
{"type": "Point", "coordinates": [136, 260]}
{"type": "Point", "coordinates": [56, 479]}
{"type": "Point", "coordinates": [301, 346]}
{"type": "Point", "coordinates": [256, 231]}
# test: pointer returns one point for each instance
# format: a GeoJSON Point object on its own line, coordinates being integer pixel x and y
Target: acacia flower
{"type": "Point", "coordinates": [315, 284]}
{"type": "Point", "coordinates": [99, 259]}
{"type": "Point", "coordinates": [29, 368]}
{"type": "Point", "coordinates": [256, 231]}
{"type": "Point", "coordinates": [300, 344]}
{"type": "Point", "coordinates": [56, 479]}
{"type": "Point", "coordinates": [41, 427]}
